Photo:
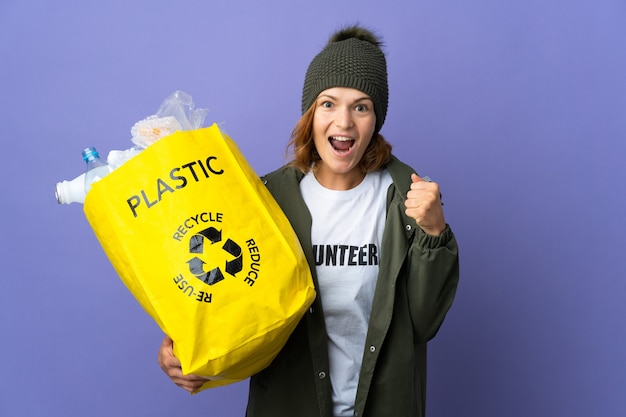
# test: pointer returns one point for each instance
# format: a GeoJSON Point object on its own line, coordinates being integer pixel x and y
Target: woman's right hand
{"type": "Point", "coordinates": [171, 366]}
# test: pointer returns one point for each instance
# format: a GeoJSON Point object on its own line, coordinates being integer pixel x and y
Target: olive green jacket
{"type": "Point", "coordinates": [417, 281]}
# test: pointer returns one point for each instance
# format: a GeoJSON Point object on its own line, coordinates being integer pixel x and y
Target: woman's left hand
{"type": "Point", "coordinates": [423, 203]}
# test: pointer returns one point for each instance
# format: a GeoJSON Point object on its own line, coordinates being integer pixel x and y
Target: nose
{"type": "Point", "coordinates": [344, 118]}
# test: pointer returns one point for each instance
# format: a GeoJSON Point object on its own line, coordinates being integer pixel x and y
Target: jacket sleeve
{"type": "Point", "coordinates": [433, 275]}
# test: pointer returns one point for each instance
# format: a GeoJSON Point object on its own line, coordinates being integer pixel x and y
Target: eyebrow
{"type": "Point", "coordinates": [355, 101]}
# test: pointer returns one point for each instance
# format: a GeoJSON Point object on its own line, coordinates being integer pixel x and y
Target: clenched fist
{"type": "Point", "coordinates": [423, 203]}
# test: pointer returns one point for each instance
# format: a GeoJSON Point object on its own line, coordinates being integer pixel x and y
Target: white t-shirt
{"type": "Point", "coordinates": [346, 236]}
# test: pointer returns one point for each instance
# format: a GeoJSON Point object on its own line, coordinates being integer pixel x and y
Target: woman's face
{"type": "Point", "coordinates": [343, 126]}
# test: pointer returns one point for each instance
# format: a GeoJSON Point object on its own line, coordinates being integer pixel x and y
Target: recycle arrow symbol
{"type": "Point", "coordinates": [196, 265]}
{"type": "Point", "coordinates": [196, 243]}
{"type": "Point", "coordinates": [236, 265]}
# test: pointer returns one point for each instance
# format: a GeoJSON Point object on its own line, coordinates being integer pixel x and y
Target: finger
{"type": "Point", "coordinates": [421, 183]}
{"type": "Point", "coordinates": [167, 361]}
{"type": "Point", "coordinates": [167, 343]}
{"type": "Point", "coordinates": [417, 178]}
{"type": "Point", "coordinates": [167, 347]}
{"type": "Point", "coordinates": [190, 385]}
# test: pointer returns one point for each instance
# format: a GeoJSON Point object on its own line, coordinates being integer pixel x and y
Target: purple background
{"type": "Point", "coordinates": [517, 109]}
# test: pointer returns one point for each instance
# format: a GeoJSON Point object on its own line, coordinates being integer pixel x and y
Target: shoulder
{"type": "Point", "coordinates": [283, 182]}
{"type": "Point", "coordinates": [282, 176]}
{"type": "Point", "coordinates": [400, 173]}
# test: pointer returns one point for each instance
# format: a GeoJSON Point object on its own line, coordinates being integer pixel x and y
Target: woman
{"type": "Point", "coordinates": [384, 261]}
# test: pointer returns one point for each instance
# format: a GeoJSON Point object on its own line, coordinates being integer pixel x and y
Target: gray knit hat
{"type": "Point", "coordinates": [352, 58]}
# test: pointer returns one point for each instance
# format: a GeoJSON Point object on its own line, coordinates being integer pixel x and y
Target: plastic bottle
{"type": "Point", "coordinates": [96, 168]}
{"type": "Point", "coordinates": [74, 191]}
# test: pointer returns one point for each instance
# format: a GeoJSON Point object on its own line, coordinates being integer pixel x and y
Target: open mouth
{"type": "Point", "coordinates": [341, 143]}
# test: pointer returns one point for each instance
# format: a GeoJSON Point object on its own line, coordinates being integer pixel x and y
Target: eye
{"type": "Point", "coordinates": [361, 108]}
{"type": "Point", "coordinates": [327, 104]}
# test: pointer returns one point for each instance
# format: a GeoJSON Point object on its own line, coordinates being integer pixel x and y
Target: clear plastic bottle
{"type": "Point", "coordinates": [74, 191]}
{"type": "Point", "coordinates": [96, 168]}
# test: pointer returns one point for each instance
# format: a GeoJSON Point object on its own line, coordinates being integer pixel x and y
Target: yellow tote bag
{"type": "Point", "coordinates": [206, 250]}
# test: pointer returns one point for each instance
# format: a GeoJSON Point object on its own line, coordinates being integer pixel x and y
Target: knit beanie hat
{"type": "Point", "coordinates": [352, 58]}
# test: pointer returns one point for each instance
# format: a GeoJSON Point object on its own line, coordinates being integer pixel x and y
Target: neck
{"type": "Point", "coordinates": [339, 182]}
